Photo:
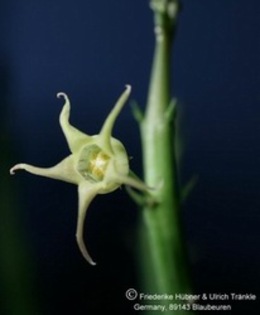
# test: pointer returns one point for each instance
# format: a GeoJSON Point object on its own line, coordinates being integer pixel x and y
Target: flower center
{"type": "Point", "coordinates": [93, 163]}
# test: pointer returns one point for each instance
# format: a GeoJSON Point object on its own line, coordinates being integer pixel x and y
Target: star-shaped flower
{"type": "Point", "coordinates": [98, 164]}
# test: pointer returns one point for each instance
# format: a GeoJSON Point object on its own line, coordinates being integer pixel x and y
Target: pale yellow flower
{"type": "Point", "coordinates": [98, 164]}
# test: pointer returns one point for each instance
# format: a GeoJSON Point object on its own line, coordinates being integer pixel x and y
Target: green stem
{"type": "Point", "coordinates": [163, 248]}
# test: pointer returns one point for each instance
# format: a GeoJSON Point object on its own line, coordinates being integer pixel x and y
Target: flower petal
{"type": "Point", "coordinates": [74, 137]}
{"type": "Point", "coordinates": [86, 193]}
{"type": "Point", "coordinates": [62, 171]}
{"type": "Point", "coordinates": [106, 130]}
{"type": "Point", "coordinates": [130, 181]}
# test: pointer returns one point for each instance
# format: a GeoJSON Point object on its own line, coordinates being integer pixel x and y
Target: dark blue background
{"type": "Point", "coordinates": [90, 50]}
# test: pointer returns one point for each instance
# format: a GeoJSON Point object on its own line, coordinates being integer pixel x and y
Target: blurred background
{"type": "Point", "coordinates": [90, 50]}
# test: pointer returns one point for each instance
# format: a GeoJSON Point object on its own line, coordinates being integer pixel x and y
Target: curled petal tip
{"type": "Point", "coordinates": [62, 94]}
{"type": "Point", "coordinates": [84, 251]}
{"type": "Point", "coordinates": [15, 168]}
{"type": "Point", "coordinates": [128, 87]}
{"type": "Point", "coordinates": [92, 263]}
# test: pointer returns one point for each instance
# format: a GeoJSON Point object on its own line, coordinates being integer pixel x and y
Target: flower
{"type": "Point", "coordinates": [97, 164]}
